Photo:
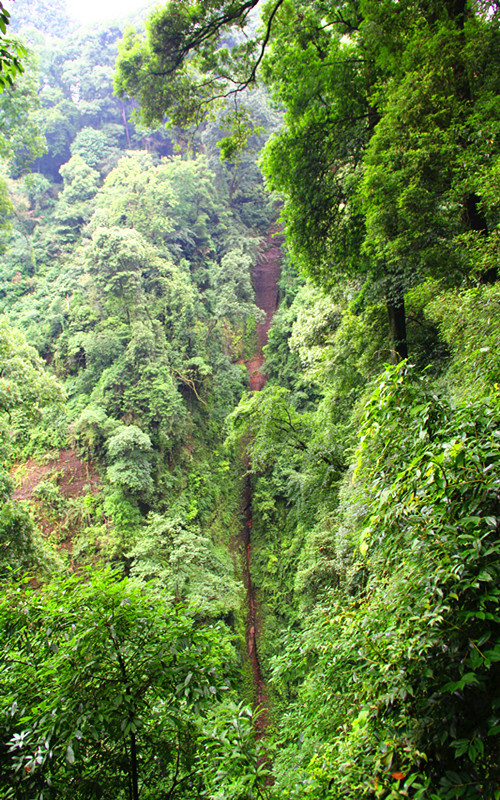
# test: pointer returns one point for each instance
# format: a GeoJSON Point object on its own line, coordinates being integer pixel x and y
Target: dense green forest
{"type": "Point", "coordinates": [250, 401]}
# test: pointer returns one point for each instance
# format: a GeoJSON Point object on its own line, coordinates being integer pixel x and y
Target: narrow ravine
{"type": "Point", "coordinates": [252, 621]}
{"type": "Point", "coordinates": [265, 279]}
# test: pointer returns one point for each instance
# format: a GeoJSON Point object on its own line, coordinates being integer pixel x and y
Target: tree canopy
{"type": "Point", "coordinates": [384, 102]}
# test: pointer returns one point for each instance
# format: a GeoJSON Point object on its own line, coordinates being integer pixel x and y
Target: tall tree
{"type": "Point", "coordinates": [386, 112]}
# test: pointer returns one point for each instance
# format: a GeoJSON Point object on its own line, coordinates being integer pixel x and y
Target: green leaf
{"type": "Point", "coordinates": [465, 680]}
{"type": "Point", "coordinates": [70, 756]}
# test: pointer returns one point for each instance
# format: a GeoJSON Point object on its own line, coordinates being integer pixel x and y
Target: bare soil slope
{"type": "Point", "coordinates": [71, 478]}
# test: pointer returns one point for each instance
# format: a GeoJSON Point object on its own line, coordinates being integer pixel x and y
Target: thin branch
{"type": "Point", "coordinates": [264, 43]}
{"type": "Point", "coordinates": [211, 30]}
{"type": "Point", "coordinates": [189, 382]}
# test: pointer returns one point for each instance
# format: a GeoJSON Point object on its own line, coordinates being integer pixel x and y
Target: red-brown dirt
{"type": "Point", "coordinates": [265, 281]}
{"type": "Point", "coordinates": [257, 377]}
{"type": "Point", "coordinates": [74, 477]}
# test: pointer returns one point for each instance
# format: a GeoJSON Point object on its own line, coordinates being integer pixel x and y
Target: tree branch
{"type": "Point", "coordinates": [253, 73]}
{"type": "Point", "coordinates": [210, 31]}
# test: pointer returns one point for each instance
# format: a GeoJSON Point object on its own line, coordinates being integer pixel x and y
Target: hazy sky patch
{"type": "Point", "coordinates": [98, 10]}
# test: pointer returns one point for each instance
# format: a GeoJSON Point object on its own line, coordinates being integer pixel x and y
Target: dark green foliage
{"type": "Point", "coordinates": [404, 643]}
{"type": "Point", "coordinates": [12, 53]}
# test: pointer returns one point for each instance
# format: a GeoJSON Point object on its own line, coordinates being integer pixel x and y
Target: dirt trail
{"type": "Point", "coordinates": [265, 279]}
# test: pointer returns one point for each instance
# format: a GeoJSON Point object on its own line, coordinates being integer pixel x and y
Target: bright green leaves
{"type": "Point", "coordinates": [25, 386]}
{"type": "Point", "coordinates": [270, 423]}
{"type": "Point", "coordinates": [12, 53]}
{"type": "Point", "coordinates": [388, 153]}
{"type": "Point", "coordinates": [138, 195]}
{"type": "Point", "coordinates": [401, 647]}
{"type": "Point", "coordinates": [81, 183]}
{"type": "Point", "coordinates": [409, 169]}
{"type": "Point", "coordinates": [241, 130]}
{"type": "Point", "coordinates": [422, 192]}
{"type": "Point", "coordinates": [167, 71]}
{"type": "Point", "coordinates": [454, 686]}
{"type": "Point", "coordinates": [98, 146]}
{"type": "Point", "coordinates": [431, 473]}
{"type": "Point", "coordinates": [21, 140]}
{"type": "Point", "coordinates": [119, 257]}
{"type": "Point", "coordinates": [322, 73]}
{"type": "Point", "coordinates": [129, 454]}
{"type": "Point", "coordinates": [239, 763]}
{"type": "Point", "coordinates": [172, 554]}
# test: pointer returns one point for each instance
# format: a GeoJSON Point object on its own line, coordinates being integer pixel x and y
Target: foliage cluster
{"type": "Point", "coordinates": [374, 545]}
{"type": "Point", "coordinates": [109, 692]}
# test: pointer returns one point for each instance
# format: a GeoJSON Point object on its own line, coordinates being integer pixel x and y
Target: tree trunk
{"type": "Point", "coordinates": [133, 765]}
{"type": "Point", "coordinates": [475, 220]}
{"type": "Point", "coordinates": [397, 329]}
{"type": "Point", "coordinates": [472, 217]}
